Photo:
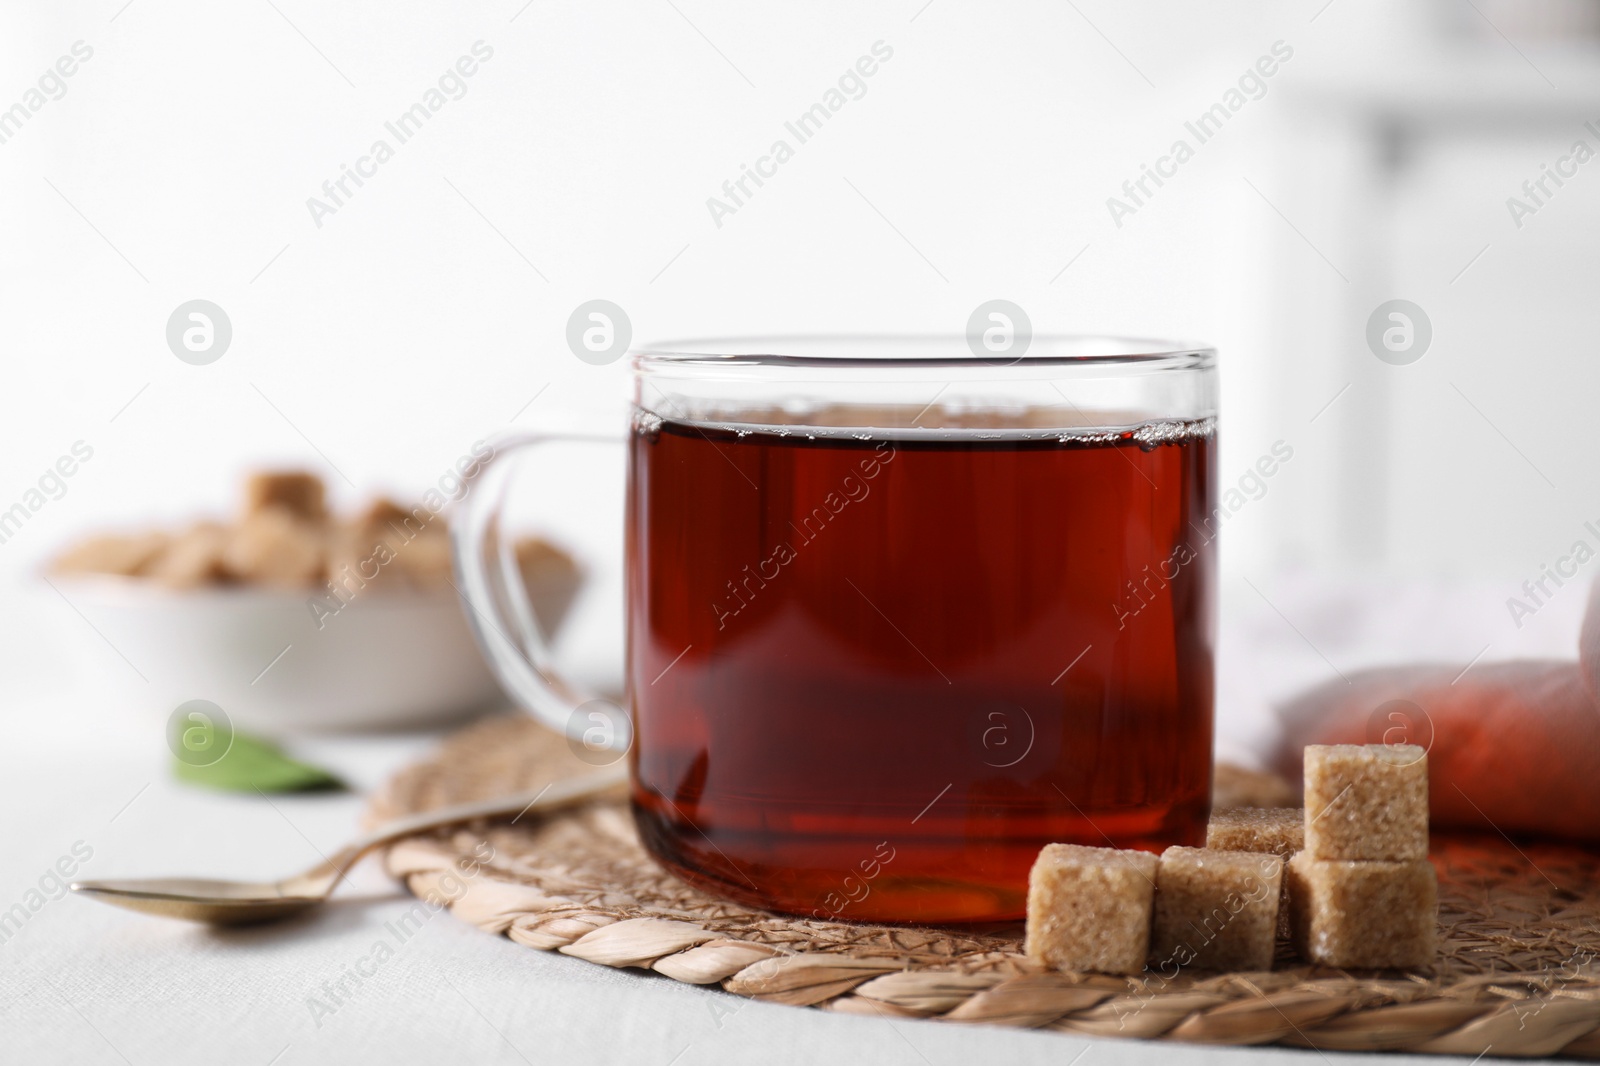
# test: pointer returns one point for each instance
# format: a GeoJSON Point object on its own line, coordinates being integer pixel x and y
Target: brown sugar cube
{"type": "Point", "coordinates": [1274, 830]}
{"type": "Point", "coordinates": [1277, 831]}
{"type": "Point", "coordinates": [540, 559]}
{"type": "Point", "coordinates": [272, 548]}
{"type": "Point", "coordinates": [112, 553]}
{"type": "Point", "coordinates": [1215, 910]}
{"type": "Point", "coordinates": [425, 558]}
{"type": "Point", "coordinates": [1366, 801]}
{"type": "Point", "coordinates": [297, 492]}
{"type": "Point", "coordinates": [192, 558]}
{"type": "Point", "coordinates": [365, 548]}
{"type": "Point", "coordinates": [1089, 908]}
{"type": "Point", "coordinates": [382, 517]}
{"type": "Point", "coordinates": [1369, 914]}
{"type": "Point", "coordinates": [552, 579]}
{"type": "Point", "coordinates": [354, 559]}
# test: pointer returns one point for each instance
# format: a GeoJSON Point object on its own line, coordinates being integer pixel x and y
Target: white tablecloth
{"type": "Point", "coordinates": [85, 983]}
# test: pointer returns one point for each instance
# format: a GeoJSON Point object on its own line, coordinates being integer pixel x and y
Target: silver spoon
{"type": "Point", "coordinates": [245, 902]}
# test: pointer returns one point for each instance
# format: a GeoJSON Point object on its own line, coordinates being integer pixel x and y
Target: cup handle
{"type": "Point", "coordinates": [497, 604]}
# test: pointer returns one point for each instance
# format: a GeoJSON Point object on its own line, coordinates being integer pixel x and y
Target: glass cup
{"type": "Point", "coordinates": [898, 614]}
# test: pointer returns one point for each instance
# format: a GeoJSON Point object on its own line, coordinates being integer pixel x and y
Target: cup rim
{"type": "Point", "coordinates": [877, 351]}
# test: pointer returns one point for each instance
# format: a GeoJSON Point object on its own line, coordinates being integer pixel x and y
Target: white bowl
{"type": "Point", "coordinates": [395, 659]}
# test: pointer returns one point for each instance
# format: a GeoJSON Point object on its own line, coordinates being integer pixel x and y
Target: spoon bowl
{"type": "Point", "coordinates": [199, 899]}
{"type": "Point", "coordinates": [216, 902]}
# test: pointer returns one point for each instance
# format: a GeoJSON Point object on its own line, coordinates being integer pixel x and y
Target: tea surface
{"type": "Point", "coordinates": [872, 677]}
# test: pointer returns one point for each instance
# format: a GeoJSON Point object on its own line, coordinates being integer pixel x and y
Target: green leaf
{"type": "Point", "coordinates": [255, 765]}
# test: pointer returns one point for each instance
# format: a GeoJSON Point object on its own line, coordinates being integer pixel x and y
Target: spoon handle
{"type": "Point", "coordinates": [552, 797]}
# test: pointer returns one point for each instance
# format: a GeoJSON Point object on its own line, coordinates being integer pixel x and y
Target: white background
{"type": "Point", "coordinates": [431, 308]}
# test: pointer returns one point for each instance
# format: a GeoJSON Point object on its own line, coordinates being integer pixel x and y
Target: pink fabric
{"type": "Point", "coordinates": [1513, 746]}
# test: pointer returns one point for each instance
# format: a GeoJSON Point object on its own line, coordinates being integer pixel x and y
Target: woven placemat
{"type": "Point", "coordinates": [1518, 972]}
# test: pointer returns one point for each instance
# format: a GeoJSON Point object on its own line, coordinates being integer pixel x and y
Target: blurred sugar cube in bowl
{"type": "Point", "coordinates": [292, 619]}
